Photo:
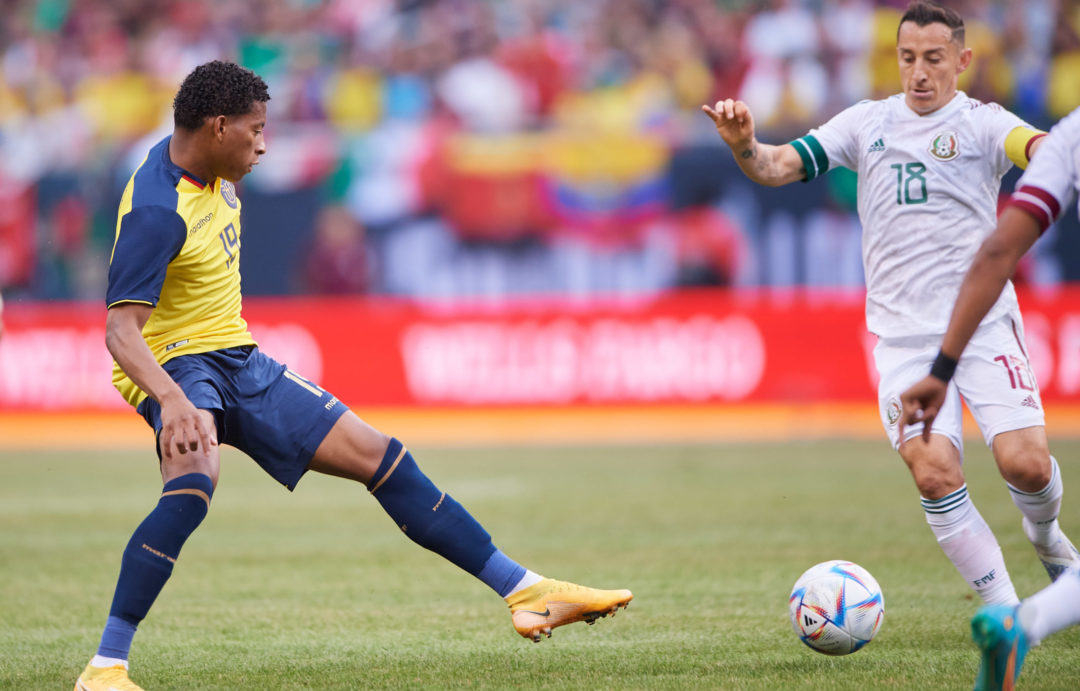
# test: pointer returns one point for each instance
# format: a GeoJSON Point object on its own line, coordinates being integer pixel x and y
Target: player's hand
{"type": "Point", "coordinates": [183, 428]}
{"type": "Point", "coordinates": [921, 403]}
{"type": "Point", "coordinates": [733, 121]}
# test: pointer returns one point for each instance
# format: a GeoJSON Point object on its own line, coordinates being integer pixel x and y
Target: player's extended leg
{"type": "Point", "coordinates": [1005, 634]}
{"type": "Point", "coordinates": [997, 632]}
{"type": "Point", "coordinates": [1034, 479]}
{"type": "Point", "coordinates": [1054, 608]}
{"type": "Point", "coordinates": [434, 520]}
{"type": "Point", "coordinates": [148, 560]}
{"type": "Point", "coordinates": [959, 527]}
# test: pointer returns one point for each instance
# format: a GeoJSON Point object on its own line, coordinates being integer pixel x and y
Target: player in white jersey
{"type": "Point", "coordinates": [930, 163]}
{"type": "Point", "coordinates": [1005, 633]}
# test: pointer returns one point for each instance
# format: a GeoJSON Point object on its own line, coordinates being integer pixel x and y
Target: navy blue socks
{"type": "Point", "coordinates": [149, 557]}
{"type": "Point", "coordinates": [501, 573]}
{"type": "Point", "coordinates": [429, 517]}
{"type": "Point", "coordinates": [434, 520]}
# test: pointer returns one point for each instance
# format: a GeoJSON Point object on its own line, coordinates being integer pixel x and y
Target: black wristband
{"type": "Point", "coordinates": [944, 367]}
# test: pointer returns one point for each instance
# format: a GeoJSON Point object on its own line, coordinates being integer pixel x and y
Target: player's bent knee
{"type": "Point", "coordinates": [203, 462]}
{"type": "Point", "coordinates": [1027, 472]}
{"type": "Point", "coordinates": [353, 449]}
{"type": "Point", "coordinates": [937, 485]}
{"type": "Point", "coordinates": [935, 475]}
{"type": "Point", "coordinates": [353, 433]}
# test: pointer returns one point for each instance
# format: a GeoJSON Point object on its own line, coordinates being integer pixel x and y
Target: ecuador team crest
{"type": "Point", "coordinates": [945, 146]}
{"type": "Point", "coordinates": [228, 193]}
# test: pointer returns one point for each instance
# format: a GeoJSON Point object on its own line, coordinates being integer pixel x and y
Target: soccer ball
{"type": "Point", "coordinates": [836, 607]}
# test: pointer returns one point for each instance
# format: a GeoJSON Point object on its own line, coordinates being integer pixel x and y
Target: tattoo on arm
{"type": "Point", "coordinates": [749, 153]}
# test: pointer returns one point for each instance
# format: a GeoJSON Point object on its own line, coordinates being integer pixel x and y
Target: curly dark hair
{"type": "Point", "coordinates": [216, 88]}
{"type": "Point", "coordinates": [924, 13]}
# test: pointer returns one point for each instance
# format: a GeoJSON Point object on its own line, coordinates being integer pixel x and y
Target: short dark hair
{"type": "Point", "coordinates": [923, 13]}
{"type": "Point", "coordinates": [217, 88]}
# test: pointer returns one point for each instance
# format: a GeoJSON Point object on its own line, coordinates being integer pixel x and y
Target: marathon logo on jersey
{"type": "Point", "coordinates": [197, 226]}
{"type": "Point", "coordinates": [228, 193]}
{"type": "Point", "coordinates": [945, 146]}
{"type": "Point", "coordinates": [877, 147]}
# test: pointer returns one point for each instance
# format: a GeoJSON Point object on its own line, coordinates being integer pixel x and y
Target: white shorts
{"type": "Point", "coordinates": [994, 378]}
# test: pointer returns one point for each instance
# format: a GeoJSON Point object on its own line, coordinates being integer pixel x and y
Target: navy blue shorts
{"type": "Point", "coordinates": [261, 407]}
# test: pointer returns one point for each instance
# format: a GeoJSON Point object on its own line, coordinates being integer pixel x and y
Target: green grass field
{"type": "Point", "coordinates": [318, 589]}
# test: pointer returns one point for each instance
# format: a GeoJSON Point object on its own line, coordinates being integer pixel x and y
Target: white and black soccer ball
{"type": "Point", "coordinates": [836, 607]}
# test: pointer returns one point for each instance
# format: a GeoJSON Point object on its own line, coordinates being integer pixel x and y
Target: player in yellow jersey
{"type": "Point", "coordinates": [185, 360]}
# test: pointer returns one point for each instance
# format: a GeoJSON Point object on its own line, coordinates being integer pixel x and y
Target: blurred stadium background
{"type": "Point", "coordinates": [493, 225]}
{"type": "Point", "coordinates": [513, 208]}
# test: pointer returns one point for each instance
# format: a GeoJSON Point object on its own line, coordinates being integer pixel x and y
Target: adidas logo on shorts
{"type": "Point", "coordinates": [1030, 403]}
{"type": "Point", "coordinates": [877, 146]}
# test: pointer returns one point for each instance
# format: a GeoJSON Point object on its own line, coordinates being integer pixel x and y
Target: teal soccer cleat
{"type": "Point", "coordinates": [997, 632]}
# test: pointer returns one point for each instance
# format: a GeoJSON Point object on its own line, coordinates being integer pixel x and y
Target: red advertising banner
{"type": "Point", "coordinates": [708, 347]}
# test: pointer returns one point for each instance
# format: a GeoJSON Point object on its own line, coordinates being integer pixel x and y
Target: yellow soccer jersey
{"type": "Point", "coordinates": [177, 249]}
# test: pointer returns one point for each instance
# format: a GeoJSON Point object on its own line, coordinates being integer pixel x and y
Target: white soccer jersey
{"type": "Point", "coordinates": [1053, 178]}
{"type": "Point", "coordinates": [927, 197]}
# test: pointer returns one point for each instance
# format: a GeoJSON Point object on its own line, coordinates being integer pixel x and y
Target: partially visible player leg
{"type": "Point", "coordinates": [1054, 608]}
{"type": "Point", "coordinates": [936, 467]}
{"type": "Point", "coordinates": [1034, 480]}
{"type": "Point", "coordinates": [997, 632]}
{"type": "Point", "coordinates": [996, 380]}
{"type": "Point", "coordinates": [958, 526]}
{"type": "Point", "coordinates": [435, 521]}
{"type": "Point", "coordinates": [1005, 634]}
{"type": "Point", "coordinates": [148, 562]}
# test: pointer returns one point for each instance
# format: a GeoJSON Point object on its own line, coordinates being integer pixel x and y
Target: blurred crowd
{"type": "Point", "coordinates": [480, 147]}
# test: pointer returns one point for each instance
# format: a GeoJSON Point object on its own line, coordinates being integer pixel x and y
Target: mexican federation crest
{"type": "Point", "coordinates": [892, 411]}
{"type": "Point", "coordinates": [945, 146]}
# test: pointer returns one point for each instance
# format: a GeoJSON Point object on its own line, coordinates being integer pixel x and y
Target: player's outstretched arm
{"type": "Point", "coordinates": [994, 265]}
{"type": "Point", "coordinates": [763, 163]}
{"type": "Point", "coordinates": [183, 429]}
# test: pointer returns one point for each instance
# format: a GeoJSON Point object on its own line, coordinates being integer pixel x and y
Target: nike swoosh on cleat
{"type": "Point", "coordinates": [545, 613]}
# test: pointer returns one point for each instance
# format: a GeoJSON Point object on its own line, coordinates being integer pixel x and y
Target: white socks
{"type": "Point", "coordinates": [971, 546]}
{"type": "Point", "coordinates": [1041, 509]}
{"type": "Point", "coordinates": [1055, 607]}
{"type": "Point", "coordinates": [528, 579]}
{"type": "Point", "coordinates": [100, 661]}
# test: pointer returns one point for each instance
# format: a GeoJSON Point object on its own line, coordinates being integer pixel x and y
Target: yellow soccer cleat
{"type": "Point", "coordinates": [113, 678]}
{"type": "Point", "coordinates": [548, 604]}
